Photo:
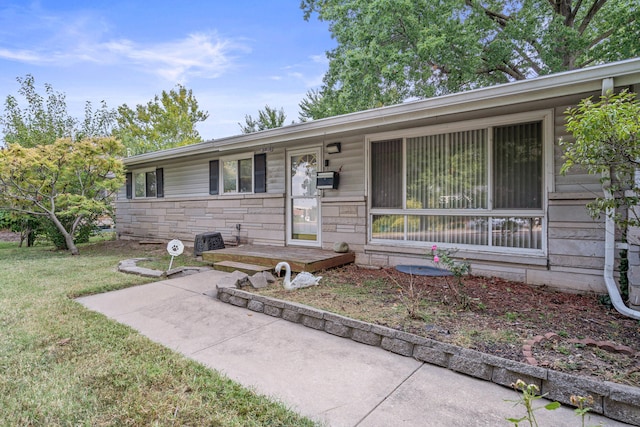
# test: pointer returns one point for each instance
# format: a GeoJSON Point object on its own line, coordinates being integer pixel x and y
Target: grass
{"type": "Point", "coordinates": [61, 364]}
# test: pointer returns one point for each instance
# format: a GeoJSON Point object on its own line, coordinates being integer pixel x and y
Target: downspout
{"type": "Point", "coordinates": [610, 239]}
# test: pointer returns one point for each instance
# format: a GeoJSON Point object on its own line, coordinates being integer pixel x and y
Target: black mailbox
{"type": "Point", "coordinates": [327, 180]}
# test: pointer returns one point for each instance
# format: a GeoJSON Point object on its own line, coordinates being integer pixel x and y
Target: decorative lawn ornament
{"type": "Point", "coordinates": [175, 248]}
{"type": "Point", "coordinates": [302, 280]}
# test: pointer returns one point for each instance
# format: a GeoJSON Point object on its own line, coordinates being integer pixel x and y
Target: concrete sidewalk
{"type": "Point", "coordinates": [333, 380]}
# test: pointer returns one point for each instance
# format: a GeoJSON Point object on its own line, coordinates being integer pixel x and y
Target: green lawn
{"type": "Point", "coordinates": [61, 364]}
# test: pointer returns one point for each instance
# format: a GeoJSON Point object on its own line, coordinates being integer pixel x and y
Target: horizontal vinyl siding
{"type": "Point", "coordinates": [186, 179]}
{"type": "Point", "coordinates": [276, 170]}
{"type": "Point", "coordinates": [350, 163]}
{"type": "Point", "coordinates": [577, 179]}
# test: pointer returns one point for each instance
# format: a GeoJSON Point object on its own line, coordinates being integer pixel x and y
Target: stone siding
{"type": "Point", "coordinates": [261, 218]}
{"type": "Point", "coordinates": [344, 220]}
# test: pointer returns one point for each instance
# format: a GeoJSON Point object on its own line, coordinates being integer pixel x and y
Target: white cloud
{"type": "Point", "coordinates": [20, 55]}
{"type": "Point", "coordinates": [319, 59]}
{"type": "Point", "coordinates": [197, 55]}
{"type": "Point", "coordinates": [308, 81]}
{"type": "Point", "coordinates": [82, 37]}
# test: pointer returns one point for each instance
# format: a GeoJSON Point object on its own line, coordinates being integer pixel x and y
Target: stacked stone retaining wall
{"type": "Point", "coordinates": [615, 401]}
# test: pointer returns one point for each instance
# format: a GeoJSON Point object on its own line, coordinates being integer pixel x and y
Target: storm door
{"type": "Point", "coordinates": [303, 204]}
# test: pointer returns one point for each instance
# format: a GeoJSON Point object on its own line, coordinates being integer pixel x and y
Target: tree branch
{"type": "Point", "coordinates": [593, 10]}
{"type": "Point", "coordinates": [575, 10]}
{"type": "Point", "coordinates": [511, 70]}
{"type": "Point", "coordinates": [497, 17]}
{"type": "Point", "coordinates": [26, 211]}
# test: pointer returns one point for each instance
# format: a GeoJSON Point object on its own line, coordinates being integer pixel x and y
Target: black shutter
{"type": "Point", "coordinates": [260, 173]}
{"type": "Point", "coordinates": [159, 182]}
{"type": "Point", "coordinates": [214, 176]}
{"type": "Point", "coordinates": [129, 185]}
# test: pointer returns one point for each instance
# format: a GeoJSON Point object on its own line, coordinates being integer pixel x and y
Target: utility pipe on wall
{"type": "Point", "coordinates": [610, 239]}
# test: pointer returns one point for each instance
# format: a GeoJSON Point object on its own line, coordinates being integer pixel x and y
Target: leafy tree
{"type": "Point", "coordinates": [44, 120]}
{"type": "Point", "coordinates": [41, 122]}
{"type": "Point", "coordinates": [26, 225]}
{"type": "Point", "coordinates": [607, 142]}
{"type": "Point", "coordinates": [68, 182]}
{"type": "Point", "coordinates": [269, 118]}
{"type": "Point", "coordinates": [166, 121]}
{"type": "Point", "coordinates": [393, 50]}
{"type": "Point", "coordinates": [98, 123]}
{"type": "Point", "coordinates": [313, 106]}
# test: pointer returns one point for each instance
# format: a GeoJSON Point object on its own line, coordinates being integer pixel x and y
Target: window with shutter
{"type": "Point", "coordinates": [147, 183]}
{"type": "Point", "coordinates": [242, 173]}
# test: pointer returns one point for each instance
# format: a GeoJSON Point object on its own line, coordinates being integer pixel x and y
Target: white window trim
{"type": "Point", "coordinates": [545, 116]}
{"type": "Point", "coordinates": [133, 184]}
{"type": "Point", "coordinates": [235, 157]}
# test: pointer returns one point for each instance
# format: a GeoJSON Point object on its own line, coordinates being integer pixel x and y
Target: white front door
{"type": "Point", "coordinates": [303, 202]}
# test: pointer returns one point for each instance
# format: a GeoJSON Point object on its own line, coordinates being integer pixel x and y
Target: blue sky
{"type": "Point", "coordinates": [236, 56]}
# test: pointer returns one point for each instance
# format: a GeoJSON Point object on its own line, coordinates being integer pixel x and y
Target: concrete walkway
{"type": "Point", "coordinates": [333, 380]}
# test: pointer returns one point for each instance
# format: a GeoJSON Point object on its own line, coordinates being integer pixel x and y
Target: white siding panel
{"type": "Point", "coordinates": [350, 163]}
{"type": "Point", "coordinates": [186, 179]}
{"type": "Point", "coordinates": [576, 179]}
{"type": "Point", "coordinates": [276, 171]}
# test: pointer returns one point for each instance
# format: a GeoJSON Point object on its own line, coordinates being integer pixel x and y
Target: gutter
{"type": "Point", "coordinates": [609, 241]}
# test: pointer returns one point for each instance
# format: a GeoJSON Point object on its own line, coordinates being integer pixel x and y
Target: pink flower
{"type": "Point", "coordinates": [436, 259]}
{"type": "Point", "coordinates": [434, 248]}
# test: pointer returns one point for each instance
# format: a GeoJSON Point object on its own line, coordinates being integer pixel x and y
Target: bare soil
{"type": "Point", "coordinates": [491, 315]}
{"type": "Point", "coordinates": [8, 236]}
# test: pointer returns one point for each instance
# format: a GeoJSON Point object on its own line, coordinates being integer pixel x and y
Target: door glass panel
{"type": "Point", "coordinates": [304, 218]}
{"type": "Point", "coordinates": [303, 175]}
{"type": "Point", "coordinates": [304, 201]}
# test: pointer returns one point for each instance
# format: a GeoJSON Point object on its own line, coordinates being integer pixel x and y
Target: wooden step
{"type": "Point", "coordinates": [231, 266]}
{"type": "Point", "coordinates": [300, 259]}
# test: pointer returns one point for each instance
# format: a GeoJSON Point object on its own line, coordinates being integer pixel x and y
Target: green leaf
{"type": "Point", "coordinates": [391, 51]}
{"type": "Point", "coordinates": [552, 406]}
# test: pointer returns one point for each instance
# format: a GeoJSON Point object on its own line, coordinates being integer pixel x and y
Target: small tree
{"type": "Point", "coordinates": [67, 182]}
{"type": "Point", "coordinates": [607, 142]}
{"type": "Point", "coordinates": [41, 120]}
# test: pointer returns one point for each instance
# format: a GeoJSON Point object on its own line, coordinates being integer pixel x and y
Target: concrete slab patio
{"type": "Point", "coordinates": [333, 380]}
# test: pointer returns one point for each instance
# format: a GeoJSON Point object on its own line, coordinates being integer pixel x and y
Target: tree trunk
{"type": "Point", "coordinates": [68, 237]}
{"type": "Point", "coordinates": [27, 235]}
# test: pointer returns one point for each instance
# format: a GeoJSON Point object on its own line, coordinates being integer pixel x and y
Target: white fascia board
{"type": "Point", "coordinates": [171, 153]}
{"type": "Point", "coordinates": [539, 88]}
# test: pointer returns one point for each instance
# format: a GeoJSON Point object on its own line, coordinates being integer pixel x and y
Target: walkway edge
{"type": "Point", "coordinates": [616, 401]}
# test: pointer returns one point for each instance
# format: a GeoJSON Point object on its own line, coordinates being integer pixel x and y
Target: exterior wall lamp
{"type": "Point", "coordinates": [334, 148]}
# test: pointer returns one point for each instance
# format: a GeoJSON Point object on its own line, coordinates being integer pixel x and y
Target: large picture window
{"type": "Point", "coordinates": [478, 187]}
